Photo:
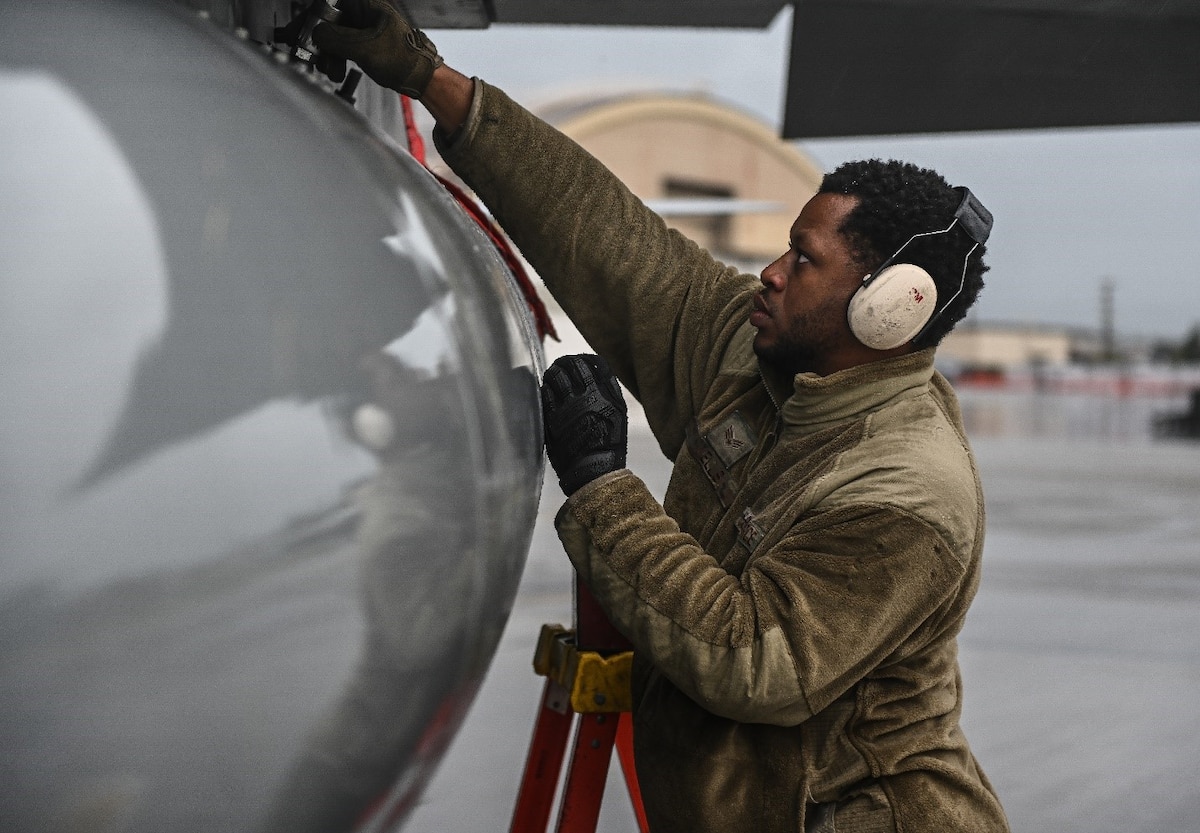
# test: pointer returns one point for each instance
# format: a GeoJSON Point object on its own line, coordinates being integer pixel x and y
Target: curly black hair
{"type": "Point", "coordinates": [895, 201]}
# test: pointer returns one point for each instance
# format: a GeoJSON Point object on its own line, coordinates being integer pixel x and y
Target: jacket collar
{"type": "Point", "coordinates": [811, 401]}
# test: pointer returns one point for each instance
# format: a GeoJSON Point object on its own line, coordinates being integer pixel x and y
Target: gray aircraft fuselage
{"type": "Point", "coordinates": [270, 434]}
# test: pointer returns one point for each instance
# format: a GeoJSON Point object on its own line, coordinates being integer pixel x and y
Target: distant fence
{"type": "Point", "coordinates": [1155, 381]}
{"type": "Point", "coordinates": [1129, 407]}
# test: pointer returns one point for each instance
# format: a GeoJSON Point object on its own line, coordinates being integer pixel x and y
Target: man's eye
{"type": "Point", "coordinates": [798, 257]}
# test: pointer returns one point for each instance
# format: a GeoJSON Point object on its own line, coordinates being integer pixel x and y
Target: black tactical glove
{"type": "Point", "coordinates": [587, 427]}
{"type": "Point", "coordinates": [389, 49]}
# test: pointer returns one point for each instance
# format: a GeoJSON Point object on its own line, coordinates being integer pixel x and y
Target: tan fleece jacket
{"type": "Point", "coordinates": [794, 604]}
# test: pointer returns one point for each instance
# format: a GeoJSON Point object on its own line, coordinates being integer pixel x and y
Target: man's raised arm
{"type": "Point", "coordinates": [658, 307]}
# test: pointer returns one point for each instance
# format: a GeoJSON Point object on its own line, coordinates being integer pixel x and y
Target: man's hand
{"type": "Point", "coordinates": [390, 50]}
{"type": "Point", "coordinates": [587, 427]}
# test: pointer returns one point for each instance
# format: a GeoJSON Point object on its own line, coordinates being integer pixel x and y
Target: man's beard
{"type": "Point", "coordinates": [804, 346]}
{"type": "Point", "coordinates": [787, 357]}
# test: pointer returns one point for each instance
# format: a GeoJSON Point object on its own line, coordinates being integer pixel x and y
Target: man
{"type": "Point", "coordinates": [794, 602]}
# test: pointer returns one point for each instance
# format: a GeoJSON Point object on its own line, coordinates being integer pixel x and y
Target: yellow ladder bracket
{"type": "Point", "coordinates": [597, 683]}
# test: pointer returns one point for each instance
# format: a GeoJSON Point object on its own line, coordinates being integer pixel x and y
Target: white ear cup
{"type": "Point", "coordinates": [892, 308]}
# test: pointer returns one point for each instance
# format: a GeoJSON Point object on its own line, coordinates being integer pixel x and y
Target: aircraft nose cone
{"type": "Point", "coordinates": [271, 438]}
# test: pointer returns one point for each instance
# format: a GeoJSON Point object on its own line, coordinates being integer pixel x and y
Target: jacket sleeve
{"type": "Point", "coordinates": [659, 308]}
{"type": "Point", "coordinates": [843, 592]}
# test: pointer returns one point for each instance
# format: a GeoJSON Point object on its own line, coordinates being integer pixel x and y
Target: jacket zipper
{"type": "Point", "coordinates": [769, 441]}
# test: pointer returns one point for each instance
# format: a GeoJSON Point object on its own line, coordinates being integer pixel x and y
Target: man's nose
{"type": "Point", "coordinates": [772, 276]}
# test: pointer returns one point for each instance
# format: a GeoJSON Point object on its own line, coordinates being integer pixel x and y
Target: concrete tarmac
{"type": "Point", "coordinates": [1080, 659]}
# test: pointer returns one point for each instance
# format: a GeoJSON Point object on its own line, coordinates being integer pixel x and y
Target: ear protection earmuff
{"type": "Point", "coordinates": [898, 301]}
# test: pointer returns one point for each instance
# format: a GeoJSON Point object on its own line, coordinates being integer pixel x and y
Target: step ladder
{"type": "Point", "coordinates": [587, 671]}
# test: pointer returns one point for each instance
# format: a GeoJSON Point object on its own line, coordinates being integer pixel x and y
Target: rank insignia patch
{"type": "Point", "coordinates": [732, 439]}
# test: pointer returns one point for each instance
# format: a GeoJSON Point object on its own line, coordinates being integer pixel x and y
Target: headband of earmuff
{"type": "Point", "coordinates": [898, 301]}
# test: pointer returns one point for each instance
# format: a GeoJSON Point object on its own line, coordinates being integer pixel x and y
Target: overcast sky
{"type": "Point", "coordinates": [1072, 207]}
